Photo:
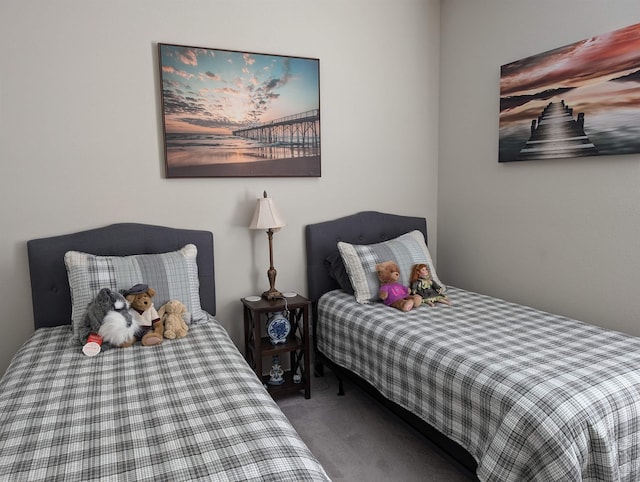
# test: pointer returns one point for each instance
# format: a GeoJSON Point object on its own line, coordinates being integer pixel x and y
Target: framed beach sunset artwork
{"type": "Point", "coordinates": [228, 113]}
{"type": "Point", "coordinates": [579, 100]}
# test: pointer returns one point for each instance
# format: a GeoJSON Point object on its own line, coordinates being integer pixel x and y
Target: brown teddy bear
{"type": "Point", "coordinates": [142, 310]}
{"type": "Point", "coordinates": [173, 314]}
{"type": "Point", "coordinates": [393, 293]}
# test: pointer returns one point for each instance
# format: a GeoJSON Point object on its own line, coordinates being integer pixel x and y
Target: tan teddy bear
{"type": "Point", "coordinates": [143, 311]}
{"type": "Point", "coordinates": [173, 314]}
{"type": "Point", "coordinates": [393, 293]}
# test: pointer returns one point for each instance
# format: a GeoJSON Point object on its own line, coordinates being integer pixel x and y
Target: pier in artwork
{"type": "Point", "coordinates": [556, 134]}
{"type": "Point", "coordinates": [301, 129]}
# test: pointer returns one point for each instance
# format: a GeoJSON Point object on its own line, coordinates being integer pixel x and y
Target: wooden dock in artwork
{"type": "Point", "coordinates": [556, 134]}
{"type": "Point", "coordinates": [301, 129]}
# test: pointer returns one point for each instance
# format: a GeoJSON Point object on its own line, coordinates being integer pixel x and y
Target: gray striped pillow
{"type": "Point", "coordinates": [173, 275]}
{"type": "Point", "coordinates": [360, 262]}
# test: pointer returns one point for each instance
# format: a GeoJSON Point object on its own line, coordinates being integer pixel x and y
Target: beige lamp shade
{"type": "Point", "coordinates": [266, 215]}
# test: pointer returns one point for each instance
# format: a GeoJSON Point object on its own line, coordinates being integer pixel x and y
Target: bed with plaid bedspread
{"type": "Point", "coordinates": [189, 409]}
{"type": "Point", "coordinates": [530, 395]}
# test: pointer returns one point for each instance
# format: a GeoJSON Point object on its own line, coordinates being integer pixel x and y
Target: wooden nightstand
{"type": "Point", "coordinates": [258, 346]}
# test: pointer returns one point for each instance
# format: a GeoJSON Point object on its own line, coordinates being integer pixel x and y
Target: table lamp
{"type": "Point", "coordinates": [266, 216]}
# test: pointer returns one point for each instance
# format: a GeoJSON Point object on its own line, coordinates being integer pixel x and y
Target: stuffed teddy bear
{"type": "Point", "coordinates": [143, 311]}
{"type": "Point", "coordinates": [393, 293]}
{"type": "Point", "coordinates": [107, 320]}
{"type": "Point", "coordinates": [173, 315]}
{"type": "Point", "coordinates": [422, 283]}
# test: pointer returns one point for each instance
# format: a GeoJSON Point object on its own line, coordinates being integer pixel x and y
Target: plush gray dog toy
{"type": "Point", "coordinates": [108, 315]}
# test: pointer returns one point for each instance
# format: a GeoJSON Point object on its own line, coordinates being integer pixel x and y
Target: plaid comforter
{"type": "Point", "coordinates": [189, 409]}
{"type": "Point", "coordinates": [531, 395]}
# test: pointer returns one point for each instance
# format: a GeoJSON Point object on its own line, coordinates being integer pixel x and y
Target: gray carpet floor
{"type": "Point", "coordinates": [356, 438]}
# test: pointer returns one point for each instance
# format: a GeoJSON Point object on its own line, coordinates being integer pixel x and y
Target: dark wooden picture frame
{"type": "Point", "coordinates": [579, 100]}
{"type": "Point", "coordinates": [228, 113]}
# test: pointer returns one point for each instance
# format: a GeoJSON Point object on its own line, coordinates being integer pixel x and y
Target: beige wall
{"type": "Point", "coordinates": [559, 235]}
{"type": "Point", "coordinates": [81, 144]}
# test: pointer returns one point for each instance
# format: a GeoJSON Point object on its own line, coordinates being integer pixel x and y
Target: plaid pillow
{"type": "Point", "coordinates": [173, 275]}
{"type": "Point", "coordinates": [360, 262]}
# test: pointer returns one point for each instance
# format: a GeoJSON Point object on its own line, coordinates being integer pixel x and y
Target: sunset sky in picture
{"type": "Point", "coordinates": [585, 67]}
{"type": "Point", "coordinates": [217, 91]}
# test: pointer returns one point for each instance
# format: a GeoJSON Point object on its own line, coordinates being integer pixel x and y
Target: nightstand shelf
{"type": "Point", "coordinates": [258, 346]}
{"type": "Point", "coordinates": [269, 349]}
{"type": "Point", "coordinates": [287, 387]}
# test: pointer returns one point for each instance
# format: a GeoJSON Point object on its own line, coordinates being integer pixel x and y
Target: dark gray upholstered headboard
{"type": "Point", "coordinates": [49, 283]}
{"type": "Point", "coordinates": [366, 227]}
